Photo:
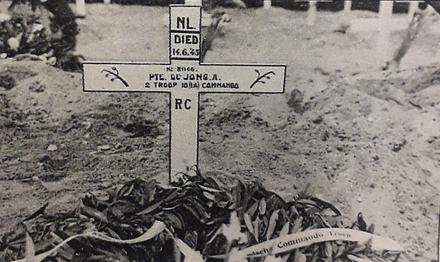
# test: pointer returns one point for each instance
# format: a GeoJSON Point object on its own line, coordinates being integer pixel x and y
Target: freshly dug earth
{"type": "Point", "coordinates": [364, 140]}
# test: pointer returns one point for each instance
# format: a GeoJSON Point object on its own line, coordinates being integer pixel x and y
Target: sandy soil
{"type": "Point", "coordinates": [366, 140]}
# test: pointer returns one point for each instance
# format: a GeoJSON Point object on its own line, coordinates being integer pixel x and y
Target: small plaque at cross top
{"type": "Point", "coordinates": [183, 78]}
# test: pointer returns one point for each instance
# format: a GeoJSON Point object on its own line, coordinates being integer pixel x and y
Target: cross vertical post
{"type": "Point", "coordinates": [267, 4]}
{"type": "Point", "coordinates": [183, 79]}
{"type": "Point", "coordinates": [185, 46]}
{"type": "Point", "coordinates": [413, 6]}
{"type": "Point", "coordinates": [385, 24]}
{"type": "Point", "coordinates": [311, 13]}
{"type": "Point", "coordinates": [384, 38]}
{"type": "Point", "coordinates": [347, 6]}
{"type": "Point", "coordinates": [438, 238]}
{"type": "Point", "coordinates": [80, 8]}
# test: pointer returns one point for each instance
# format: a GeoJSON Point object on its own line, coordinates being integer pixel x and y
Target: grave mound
{"type": "Point", "coordinates": [39, 92]}
{"type": "Point", "coordinates": [199, 218]}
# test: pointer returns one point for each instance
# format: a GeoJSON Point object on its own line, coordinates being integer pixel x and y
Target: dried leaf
{"type": "Point", "coordinates": [91, 212]}
{"type": "Point", "coordinates": [236, 256]}
{"type": "Point", "coordinates": [285, 230]}
{"type": "Point", "coordinates": [285, 257]}
{"type": "Point", "coordinates": [307, 202]}
{"type": "Point", "coordinates": [191, 239]}
{"type": "Point", "coordinates": [371, 229]}
{"type": "Point", "coordinates": [297, 225]}
{"type": "Point", "coordinates": [327, 249]}
{"type": "Point", "coordinates": [209, 196]}
{"type": "Point", "coordinates": [190, 255]}
{"type": "Point", "coordinates": [177, 253]}
{"type": "Point", "coordinates": [150, 209]}
{"type": "Point", "coordinates": [210, 189]}
{"type": "Point", "coordinates": [174, 220]}
{"type": "Point", "coordinates": [248, 222]}
{"type": "Point", "coordinates": [300, 257]}
{"type": "Point", "coordinates": [361, 222]}
{"type": "Point", "coordinates": [66, 251]}
{"type": "Point", "coordinates": [155, 230]}
{"type": "Point", "coordinates": [40, 211]}
{"type": "Point", "coordinates": [272, 224]}
{"type": "Point", "coordinates": [358, 259]}
{"type": "Point", "coordinates": [233, 230]}
{"type": "Point", "coordinates": [271, 258]}
{"type": "Point", "coordinates": [326, 204]}
{"type": "Point", "coordinates": [323, 221]}
{"type": "Point", "coordinates": [293, 212]}
{"type": "Point", "coordinates": [251, 211]}
{"type": "Point", "coordinates": [257, 229]}
{"type": "Point", "coordinates": [360, 247]}
{"type": "Point", "coordinates": [125, 190]}
{"type": "Point", "coordinates": [30, 249]}
{"type": "Point", "coordinates": [199, 208]}
{"type": "Point", "coordinates": [262, 207]}
{"type": "Point", "coordinates": [194, 213]}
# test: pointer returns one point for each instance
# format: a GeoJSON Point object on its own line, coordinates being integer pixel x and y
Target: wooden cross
{"type": "Point", "coordinates": [347, 6]}
{"type": "Point", "coordinates": [267, 4]}
{"type": "Point", "coordinates": [183, 79]}
{"type": "Point", "coordinates": [80, 8]}
{"type": "Point", "coordinates": [311, 12]}
{"type": "Point", "coordinates": [385, 24]}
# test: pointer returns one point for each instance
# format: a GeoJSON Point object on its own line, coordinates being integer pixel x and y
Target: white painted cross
{"type": "Point", "coordinates": [183, 79]}
{"type": "Point", "coordinates": [385, 24]}
{"type": "Point", "coordinates": [347, 6]}
{"type": "Point", "coordinates": [267, 4]}
{"type": "Point", "coordinates": [311, 12]}
{"type": "Point", "coordinates": [81, 8]}
{"type": "Point", "coordinates": [413, 5]}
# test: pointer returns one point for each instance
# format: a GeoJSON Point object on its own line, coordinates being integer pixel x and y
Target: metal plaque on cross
{"type": "Point", "coordinates": [183, 79]}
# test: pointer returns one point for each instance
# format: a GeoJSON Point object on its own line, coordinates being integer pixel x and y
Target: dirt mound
{"type": "Point", "coordinates": [55, 136]}
{"type": "Point", "coordinates": [366, 141]}
{"type": "Point", "coordinates": [378, 134]}
{"type": "Point", "coordinates": [42, 92]}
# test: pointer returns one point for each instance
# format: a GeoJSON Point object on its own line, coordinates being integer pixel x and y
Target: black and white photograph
{"type": "Point", "coordinates": [220, 130]}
